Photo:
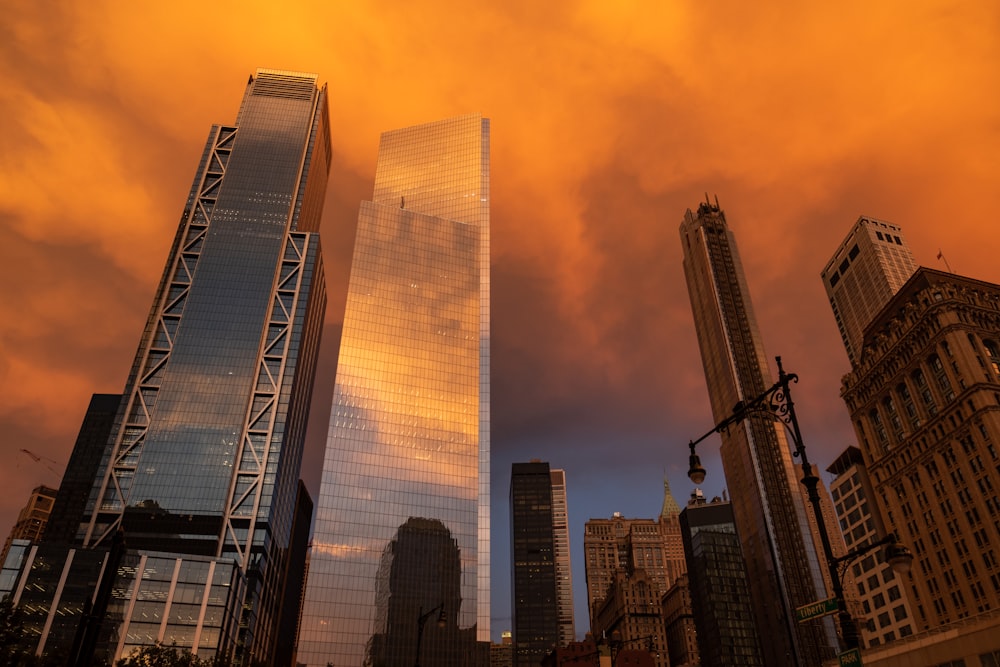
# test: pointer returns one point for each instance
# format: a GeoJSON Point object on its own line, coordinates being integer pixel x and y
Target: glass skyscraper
{"type": "Point", "coordinates": [202, 465]}
{"type": "Point", "coordinates": [405, 483]}
{"type": "Point", "coordinates": [768, 499]}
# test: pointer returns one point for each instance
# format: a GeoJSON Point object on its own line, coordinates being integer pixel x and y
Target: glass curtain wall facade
{"type": "Point", "coordinates": [720, 599]}
{"type": "Point", "coordinates": [408, 442]}
{"type": "Point", "coordinates": [768, 500]}
{"type": "Point", "coordinates": [204, 456]}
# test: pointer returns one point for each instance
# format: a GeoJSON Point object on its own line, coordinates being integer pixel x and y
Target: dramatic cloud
{"type": "Point", "coordinates": [608, 119]}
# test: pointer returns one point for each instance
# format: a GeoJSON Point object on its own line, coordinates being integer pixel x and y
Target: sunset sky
{"type": "Point", "coordinates": [606, 125]}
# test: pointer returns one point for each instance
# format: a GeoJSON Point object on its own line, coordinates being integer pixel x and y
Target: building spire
{"type": "Point", "coordinates": [670, 506]}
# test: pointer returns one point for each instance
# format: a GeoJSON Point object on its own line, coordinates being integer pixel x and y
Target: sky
{"type": "Point", "coordinates": [609, 120]}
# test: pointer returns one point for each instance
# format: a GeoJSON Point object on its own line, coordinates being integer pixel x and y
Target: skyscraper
{"type": "Point", "coordinates": [768, 500]}
{"type": "Point", "coordinates": [720, 601]}
{"type": "Point", "coordinates": [409, 427]}
{"type": "Point", "coordinates": [202, 465]}
{"type": "Point", "coordinates": [866, 270]}
{"type": "Point", "coordinates": [540, 569]}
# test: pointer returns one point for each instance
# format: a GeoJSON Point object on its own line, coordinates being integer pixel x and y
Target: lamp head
{"type": "Point", "coordinates": [898, 556]}
{"type": "Point", "coordinates": [442, 618]}
{"type": "Point", "coordinates": [695, 471]}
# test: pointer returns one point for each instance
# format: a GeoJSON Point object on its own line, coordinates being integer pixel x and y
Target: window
{"type": "Point", "coordinates": [941, 376]}
{"type": "Point", "coordinates": [908, 405]}
{"type": "Point", "coordinates": [894, 420]}
{"type": "Point", "coordinates": [993, 354]}
{"type": "Point", "coordinates": [925, 392]}
{"type": "Point", "coordinates": [876, 419]}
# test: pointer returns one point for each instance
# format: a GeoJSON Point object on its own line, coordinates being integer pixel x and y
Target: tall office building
{"type": "Point", "coordinates": [768, 500]}
{"type": "Point", "coordinates": [925, 403]}
{"type": "Point", "coordinates": [409, 429]}
{"type": "Point", "coordinates": [202, 464]}
{"type": "Point", "coordinates": [541, 589]}
{"type": "Point", "coordinates": [882, 609]}
{"type": "Point", "coordinates": [619, 543]}
{"type": "Point", "coordinates": [719, 590]}
{"type": "Point", "coordinates": [866, 270]}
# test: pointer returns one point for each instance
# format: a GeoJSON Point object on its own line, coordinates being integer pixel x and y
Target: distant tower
{"type": "Point", "coordinates": [409, 431]}
{"type": "Point", "coordinates": [866, 270]}
{"type": "Point", "coordinates": [622, 544]}
{"type": "Point", "coordinates": [32, 519]}
{"type": "Point", "coordinates": [540, 576]}
{"type": "Point", "coordinates": [768, 499]}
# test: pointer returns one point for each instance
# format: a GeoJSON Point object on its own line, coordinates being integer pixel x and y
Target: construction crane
{"type": "Point", "coordinates": [45, 461]}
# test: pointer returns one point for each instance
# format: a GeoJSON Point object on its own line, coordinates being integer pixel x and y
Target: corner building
{"type": "Point", "coordinates": [925, 402]}
{"type": "Point", "coordinates": [408, 441]}
{"type": "Point", "coordinates": [768, 500]}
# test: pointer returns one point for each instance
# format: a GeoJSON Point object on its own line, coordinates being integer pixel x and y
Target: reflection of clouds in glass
{"type": "Point", "coordinates": [408, 409]}
{"type": "Point", "coordinates": [339, 550]}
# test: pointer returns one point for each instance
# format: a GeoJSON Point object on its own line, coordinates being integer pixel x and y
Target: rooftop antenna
{"type": "Point", "coordinates": [717, 201]}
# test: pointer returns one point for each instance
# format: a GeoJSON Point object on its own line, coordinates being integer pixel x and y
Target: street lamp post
{"type": "Point", "coordinates": [776, 402]}
{"type": "Point", "coordinates": [422, 621]}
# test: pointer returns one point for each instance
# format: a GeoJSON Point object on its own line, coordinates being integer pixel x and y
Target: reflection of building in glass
{"type": "Point", "coordinates": [409, 427]}
{"type": "Point", "coordinates": [720, 599]}
{"type": "Point", "coordinates": [769, 505]}
{"type": "Point", "coordinates": [201, 467]}
{"type": "Point", "coordinates": [923, 400]}
{"type": "Point", "coordinates": [869, 266]}
{"type": "Point", "coordinates": [417, 599]}
{"type": "Point", "coordinates": [540, 567]}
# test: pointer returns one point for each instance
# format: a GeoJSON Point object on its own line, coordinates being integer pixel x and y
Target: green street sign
{"type": "Point", "coordinates": [817, 609]}
{"type": "Point", "coordinates": [850, 658]}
